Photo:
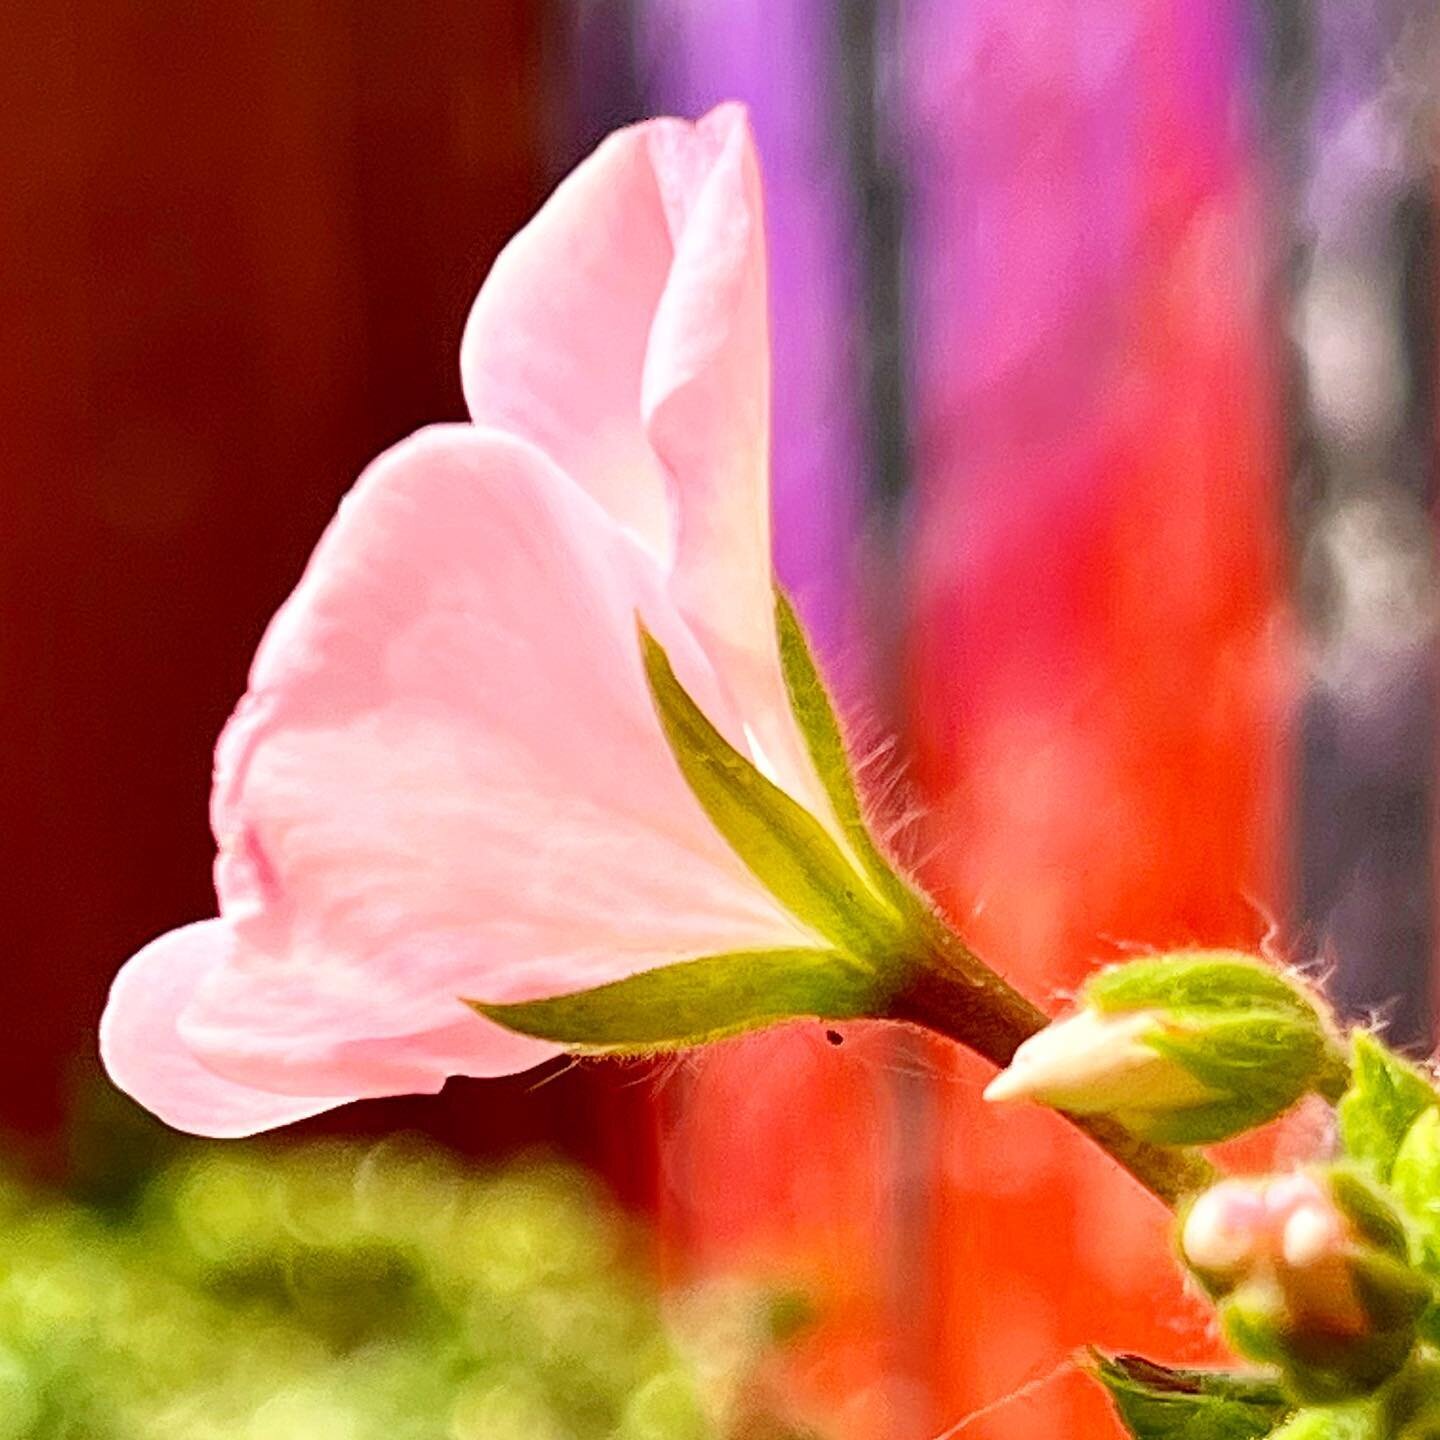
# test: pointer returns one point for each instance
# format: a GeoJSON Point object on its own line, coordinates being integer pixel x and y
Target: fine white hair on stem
{"type": "Point", "coordinates": [1031, 1387]}
{"type": "Point", "coordinates": [569, 1063]}
{"type": "Point", "coordinates": [1127, 947]}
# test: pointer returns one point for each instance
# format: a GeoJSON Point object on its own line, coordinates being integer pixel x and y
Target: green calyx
{"type": "Point", "coordinates": [1250, 1036]}
{"type": "Point", "coordinates": [783, 845]}
{"type": "Point", "coordinates": [1205, 981]}
{"type": "Point", "coordinates": [833, 879]}
{"type": "Point", "coordinates": [1321, 1367]}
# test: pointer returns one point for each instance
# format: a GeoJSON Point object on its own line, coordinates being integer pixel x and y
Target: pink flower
{"type": "Point", "coordinates": [447, 778]}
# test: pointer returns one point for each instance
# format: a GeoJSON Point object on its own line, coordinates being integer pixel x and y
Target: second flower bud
{"type": "Point", "coordinates": [1310, 1273]}
{"type": "Point", "coordinates": [1183, 1049]}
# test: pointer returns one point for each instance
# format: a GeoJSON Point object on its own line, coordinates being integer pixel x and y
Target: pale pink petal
{"type": "Point", "coordinates": [624, 331]}
{"type": "Point", "coordinates": [334, 1060]}
{"type": "Point", "coordinates": [448, 779]}
{"type": "Point", "coordinates": [555, 343]}
{"type": "Point", "coordinates": [706, 401]}
{"type": "Point", "coordinates": [146, 1058]}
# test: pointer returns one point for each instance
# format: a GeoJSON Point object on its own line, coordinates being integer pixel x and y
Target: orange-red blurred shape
{"type": "Point", "coordinates": [1099, 654]}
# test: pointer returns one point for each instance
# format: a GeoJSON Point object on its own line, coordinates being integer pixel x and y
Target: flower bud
{"type": "Point", "coordinates": [1188, 1048]}
{"type": "Point", "coordinates": [1225, 1232]}
{"type": "Point", "coordinates": [1310, 1274]}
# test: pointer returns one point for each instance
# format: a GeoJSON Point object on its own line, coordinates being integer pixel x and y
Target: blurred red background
{"type": "Point", "coordinates": [240, 247]}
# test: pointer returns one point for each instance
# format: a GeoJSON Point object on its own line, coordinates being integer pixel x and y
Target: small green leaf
{"type": "Point", "coordinates": [695, 1001]}
{"type": "Point", "coordinates": [1157, 1403]}
{"type": "Point", "coordinates": [786, 848]}
{"type": "Point", "coordinates": [1416, 1183]}
{"type": "Point", "coordinates": [1385, 1098]}
{"type": "Point", "coordinates": [814, 713]}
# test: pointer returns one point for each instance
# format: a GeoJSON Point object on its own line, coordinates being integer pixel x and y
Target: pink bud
{"type": "Point", "coordinates": [1311, 1233]}
{"type": "Point", "coordinates": [1227, 1229]}
{"type": "Point", "coordinates": [1287, 1229]}
{"type": "Point", "coordinates": [1285, 1193]}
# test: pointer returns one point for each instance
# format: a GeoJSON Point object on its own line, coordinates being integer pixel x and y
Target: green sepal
{"type": "Point", "coordinates": [1394, 1296]}
{"type": "Point", "coordinates": [1211, 981]}
{"type": "Point", "coordinates": [1386, 1096]}
{"type": "Point", "coordinates": [1369, 1209]}
{"type": "Point", "coordinates": [1412, 1402]}
{"type": "Point", "coordinates": [1158, 1403]}
{"type": "Point", "coordinates": [1255, 1320]}
{"type": "Point", "coordinates": [695, 1001]}
{"type": "Point", "coordinates": [814, 713]}
{"type": "Point", "coordinates": [1321, 1368]}
{"type": "Point", "coordinates": [784, 846]}
{"type": "Point", "coordinates": [1261, 1062]}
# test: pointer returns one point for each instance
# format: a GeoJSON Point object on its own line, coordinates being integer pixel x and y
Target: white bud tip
{"type": "Point", "coordinates": [1093, 1063]}
{"type": "Point", "coordinates": [1007, 1085]}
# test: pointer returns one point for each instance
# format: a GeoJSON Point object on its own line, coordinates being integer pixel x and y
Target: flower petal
{"type": "Point", "coordinates": [706, 402]}
{"type": "Point", "coordinates": [624, 331]}
{"type": "Point", "coordinates": [146, 1058]}
{"type": "Point", "coordinates": [449, 779]}
{"type": "Point", "coordinates": [555, 343]}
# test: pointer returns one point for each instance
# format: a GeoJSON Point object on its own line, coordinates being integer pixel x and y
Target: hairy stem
{"type": "Point", "coordinates": [953, 992]}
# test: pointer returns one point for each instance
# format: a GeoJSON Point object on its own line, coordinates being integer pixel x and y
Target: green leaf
{"type": "Point", "coordinates": [696, 1001]}
{"type": "Point", "coordinates": [786, 848]}
{"type": "Point", "coordinates": [814, 713]}
{"type": "Point", "coordinates": [1415, 1180]}
{"type": "Point", "coordinates": [1158, 1403]}
{"type": "Point", "coordinates": [1385, 1098]}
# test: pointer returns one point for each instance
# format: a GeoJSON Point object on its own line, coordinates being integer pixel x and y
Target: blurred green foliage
{"type": "Point", "coordinates": [334, 1291]}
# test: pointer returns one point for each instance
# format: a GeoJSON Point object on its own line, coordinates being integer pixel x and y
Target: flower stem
{"type": "Point", "coordinates": [952, 991]}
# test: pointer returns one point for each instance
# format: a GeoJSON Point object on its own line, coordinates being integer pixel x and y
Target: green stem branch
{"type": "Point", "coordinates": [953, 992]}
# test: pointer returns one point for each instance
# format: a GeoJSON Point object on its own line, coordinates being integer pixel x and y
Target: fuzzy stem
{"type": "Point", "coordinates": [953, 992]}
